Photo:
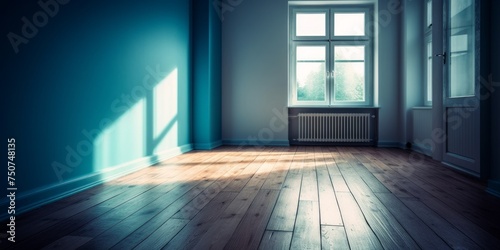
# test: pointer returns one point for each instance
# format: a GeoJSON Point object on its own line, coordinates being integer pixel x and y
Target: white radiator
{"type": "Point", "coordinates": [334, 127]}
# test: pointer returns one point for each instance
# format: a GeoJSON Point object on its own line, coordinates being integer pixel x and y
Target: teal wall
{"type": "Point", "coordinates": [206, 75]}
{"type": "Point", "coordinates": [103, 88]}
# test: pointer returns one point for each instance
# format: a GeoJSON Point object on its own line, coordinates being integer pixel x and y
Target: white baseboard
{"type": "Point", "coordinates": [36, 198]}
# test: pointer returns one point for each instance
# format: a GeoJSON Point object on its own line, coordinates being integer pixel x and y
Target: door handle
{"type": "Point", "coordinates": [443, 56]}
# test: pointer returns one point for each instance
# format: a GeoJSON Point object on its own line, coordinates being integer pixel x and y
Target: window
{"type": "Point", "coordinates": [428, 54]}
{"type": "Point", "coordinates": [330, 56]}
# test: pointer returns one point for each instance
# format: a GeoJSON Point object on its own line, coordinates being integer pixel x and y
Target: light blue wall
{"type": "Point", "coordinates": [255, 73]}
{"type": "Point", "coordinates": [206, 75]}
{"type": "Point", "coordinates": [413, 37]}
{"type": "Point", "coordinates": [390, 70]}
{"type": "Point", "coordinates": [103, 85]}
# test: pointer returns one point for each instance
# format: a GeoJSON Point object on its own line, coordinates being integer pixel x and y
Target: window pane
{"type": "Point", "coordinates": [310, 24]}
{"type": "Point", "coordinates": [429, 72]}
{"type": "Point", "coordinates": [461, 36]}
{"type": "Point", "coordinates": [311, 73]}
{"type": "Point", "coordinates": [429, 12]}
{"type": "Point", "coordinates": [349, 24]}
{"type": "Point", "coordinates": [349, 81]}
{"type": "Point", "coordinates": [461, 68]}
{"type": "Point", "coordinates": [311, 53]}
{"type": "Point", "coordinates": [349, 53]}
{"type": "Point", "coordinates": [349, 68]}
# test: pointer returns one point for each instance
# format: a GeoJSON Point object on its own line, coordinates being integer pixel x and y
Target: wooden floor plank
{"type": "Point", "coordinates": [450, 234]}
{"type": "Point", "coordinates": [249, 232]}
{"type": "Point", "coordinates": [68, 242]}
{"type": "Point", "coordinates": [370, 180]}
{"type": "Point", "coordinates": [307, 234]}
{"type": "Point", "coordinates": [222, 229]}
{"type": "Point", "coordinates": [153, 224]}
{"type": "Point", "coordinates": [162, 235]}
{"type": "Point", "coordinates": [385, 226]}
{"type": "Point", "coordinates": [329, 209]}
{"type": "Point", "coordinates": [393, 184]}
{"type": "Point", "coordinates": [193, 207]}
{"type": "Point", "coordinates": [331, 157]}
{"type": "Point", "coordinates": [255, 160]}
{"type": "Point", "coordinates": [309, 187]}
{"type": "Point", "coordinates": [278, 240]}
{"type": "Point", "coordinates": [277, 176]}
{"type": "Point", "coordinates": [338, 181]}
{"type": "Point", "coordinates": [359, 233]}
{"type": "Point", "coordinates": [285, 211]}
{"type": "Point", "coordinates": [333, 237]}
{"type": "Point", "coordinates": [189, 236]}
{"type": "Point", "coordinates": [260, 176]}
{"type": "Point", "coordinates": [419, 231]}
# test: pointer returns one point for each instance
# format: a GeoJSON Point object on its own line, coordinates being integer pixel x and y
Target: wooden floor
{"type": "Point", "coordinates": [275, 198]}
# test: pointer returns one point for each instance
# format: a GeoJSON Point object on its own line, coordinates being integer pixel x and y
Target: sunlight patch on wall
{"type": "Point", "coordinates": [123, 140]}
{"type": "Point", "coordinates": [148, 128]}
{"type": "Point", "coordinates": [165, 124]}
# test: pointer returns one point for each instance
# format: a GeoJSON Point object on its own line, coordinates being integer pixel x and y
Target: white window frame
{"type": "Point", "coordinates": [330, 40]}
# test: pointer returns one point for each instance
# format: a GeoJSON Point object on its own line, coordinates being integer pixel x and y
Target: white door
{"type": "Point", "coordinates": [461, 105]}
